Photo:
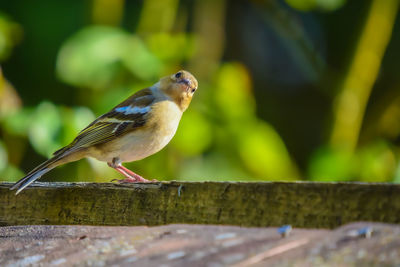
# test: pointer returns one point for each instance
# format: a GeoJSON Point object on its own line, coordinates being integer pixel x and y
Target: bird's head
{"type": "Point", "coordinates": [180, 87]}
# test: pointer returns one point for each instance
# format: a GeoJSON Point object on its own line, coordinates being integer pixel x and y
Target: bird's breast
{"type": "Point", "coordinates": [158, 131]}
{"type": "Point", "coordinates": [164, 122]}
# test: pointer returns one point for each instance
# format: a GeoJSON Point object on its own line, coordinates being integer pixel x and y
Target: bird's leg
{"type": "Point", "coordinates": [138, 178]}
{"type": "Point", "coordinates": [131, 177]}
{"type": "Point", "coordinates": [115, 164]}
{"type": "Point", "coordinates": [128, 179]}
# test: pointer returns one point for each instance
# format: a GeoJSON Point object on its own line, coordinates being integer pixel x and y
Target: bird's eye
{"type": "Point", "coordinates": [178, 75]}
{"type": "Point", "coordinates": [193, 90]}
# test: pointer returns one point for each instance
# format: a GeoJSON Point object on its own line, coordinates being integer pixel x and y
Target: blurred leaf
{"type": "Point", "coordinates": [156, 166]}
{"type": "Point", "coordinates": [96, 55]}
{"type": "Point", "coordinates": [332, 165]}
{"type": "Point", "coordinates": [260, 148]}
{"type": "Point", "coordinates": [82, 117]}
{"type": "Point", "coordinates": [137, 58]}
{"type": "Point", "coordinates": [73, 121]}
{"type": "Point", "coordinates": [101, 172]}
{"type": "Point", "coordinates": [18, 123]}
{"type": "Point", "coordinates": [264, 153]}
{"type": "Point", "coordinates": [211, 167]}
{"type": "Point", "coordinates": [233, 92]}
{"type": "Point", "coordinates": [172, 47]}
{"type": "Point", "coordinates": [3, 156]}
{"type": "Point", "coordinates": [107, 12]}
{"type": "Point", "coordinates": [8, 172]}
{"type": "Point", "coordinates": [396, 178]}
{"type": "Point", "coordinates": [9, 98]}
{"type": "Point", "coordinates": [378, 162]}
{"type": "Point", "coordinates": [330, 5]}
{"type": "Point", "coordinates": [157, 16]}
{"type": "Point", "coordinates": [389, 121]}
{"type": "Point", "coordinates": [45, 125]}
{"type": "Point", "coordinates": [302, 4]}
{"type": "Point", "coordinates": [306, 5]}
{"type": "Point", "coordinates": [11, 173]}
{"type": "Point", "coordinates": [194, 134]}
{"type": "Point", "coordinates": [110, 98]}
{"type": "Point", "coordinates": [10, 36]}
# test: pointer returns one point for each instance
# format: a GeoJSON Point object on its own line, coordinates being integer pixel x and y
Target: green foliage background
{"type": "Point", "coordinates": [288, 90]}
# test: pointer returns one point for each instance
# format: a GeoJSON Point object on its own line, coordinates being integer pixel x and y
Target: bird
{"type": "Point", "coordinates": [138, 127]}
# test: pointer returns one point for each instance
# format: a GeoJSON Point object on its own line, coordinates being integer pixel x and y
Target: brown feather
{"type": "Point", "coordinates": [101, 131]}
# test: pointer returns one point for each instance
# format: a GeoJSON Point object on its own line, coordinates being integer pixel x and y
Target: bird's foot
{"type": "Point", "coordinates": [126, 180]}
{"type": "Point", "coordinates": [133, 180]}
{"type": "Point", "coordinates": [131, 177]}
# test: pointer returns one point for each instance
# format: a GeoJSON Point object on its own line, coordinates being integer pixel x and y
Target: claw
{"type": "Point", "coordinates": [126, 180]}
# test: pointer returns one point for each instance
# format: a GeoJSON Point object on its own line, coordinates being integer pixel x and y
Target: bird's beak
{"type": "Point", "coordinates": [185, 81]}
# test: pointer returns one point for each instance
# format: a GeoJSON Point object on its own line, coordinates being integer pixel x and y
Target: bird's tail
{"type": "Point", "coordinates": [38, 172]}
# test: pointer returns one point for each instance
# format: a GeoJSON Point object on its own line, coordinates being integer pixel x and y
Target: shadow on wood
{"type": "Point", "coordinates": [301, 204]}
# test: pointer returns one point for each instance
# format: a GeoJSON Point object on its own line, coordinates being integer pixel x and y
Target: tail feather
{"type": "Point", "coordinates": [30, 179]}
{"type": "Point", "coordinates": [36, 174]}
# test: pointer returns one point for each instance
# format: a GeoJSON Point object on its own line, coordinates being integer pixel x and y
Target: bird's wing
{"type": "Point", "coordinates": [128, 116]}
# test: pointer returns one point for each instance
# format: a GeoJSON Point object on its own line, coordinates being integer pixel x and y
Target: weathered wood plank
{"type": "Point", "coordinates": [301, 204]}
{"type": "Point", "coordinates": [197, 245]}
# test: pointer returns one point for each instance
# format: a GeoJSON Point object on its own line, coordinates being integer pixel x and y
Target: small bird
{"type": "Point", "coordinates": [138, 127]}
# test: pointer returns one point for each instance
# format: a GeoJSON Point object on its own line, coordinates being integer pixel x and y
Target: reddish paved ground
{"type": "Point", "coordinates": [197, 245]}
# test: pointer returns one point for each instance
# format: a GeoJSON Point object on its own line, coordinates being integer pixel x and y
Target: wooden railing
{"type": "Point", "coordinates": [301, 204]}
